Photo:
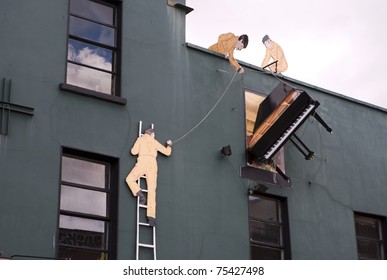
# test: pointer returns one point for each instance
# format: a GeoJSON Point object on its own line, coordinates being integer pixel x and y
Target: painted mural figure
{"type": "Point", "coordinates": [147, 148]}
{"type": "Point", "coordinates": [226, 45]}
{"type": "Point", "coordinates": [275, 52]}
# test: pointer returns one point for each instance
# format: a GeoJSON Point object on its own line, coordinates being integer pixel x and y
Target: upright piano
{"type": "Point", "coordinates": [280, 115]}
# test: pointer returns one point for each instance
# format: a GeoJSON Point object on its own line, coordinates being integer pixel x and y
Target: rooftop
{"type": "Point", "coordinates": [289, 79]}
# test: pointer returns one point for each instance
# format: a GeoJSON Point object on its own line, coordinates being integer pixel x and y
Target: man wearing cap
{"type": "Point", "coordinates": [226, 45]}
{"type": "Point", "coordinates": [147, 147]}
{"type": "Point", "coordinates": [274, 51]}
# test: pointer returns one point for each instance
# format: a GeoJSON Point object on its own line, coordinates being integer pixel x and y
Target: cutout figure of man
{"type": "Point", "coordinates": [275, 52]}
{"type": "Point", "coordinates": [226, 45]}
{"type": "Point", "coordinates": [147, 148]}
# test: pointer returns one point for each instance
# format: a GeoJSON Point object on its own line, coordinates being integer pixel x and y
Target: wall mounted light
{"type": "Point", "coordinates": [226, 150]}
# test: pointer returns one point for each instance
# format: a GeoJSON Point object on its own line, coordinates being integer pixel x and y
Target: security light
{"type": "Point", "coordinates": [226, 150]}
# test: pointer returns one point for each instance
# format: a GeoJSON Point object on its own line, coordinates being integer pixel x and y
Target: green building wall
{"type": "Point", "coordinates": [202, 202]}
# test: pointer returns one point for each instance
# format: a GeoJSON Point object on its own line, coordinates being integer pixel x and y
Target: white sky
{"type": "Point", "coordinates": [338, 45]}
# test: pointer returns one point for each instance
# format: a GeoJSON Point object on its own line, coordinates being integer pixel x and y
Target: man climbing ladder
{"type": "Point", "coordinates": [147, 147]}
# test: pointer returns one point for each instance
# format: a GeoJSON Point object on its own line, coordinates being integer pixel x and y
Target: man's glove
{"type": "Point", "coordinates": [241, 70]}
{"type": "Point", "coordinates": [169, 143]}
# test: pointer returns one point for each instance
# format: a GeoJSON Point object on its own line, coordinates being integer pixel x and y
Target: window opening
{"type": "Point", "coordinates": [280, 115]}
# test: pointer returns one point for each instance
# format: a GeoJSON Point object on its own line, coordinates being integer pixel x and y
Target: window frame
{"type": "Point", "coordinates": [111, 191]}
{"type": "Point", "coordinates": [115, 94]}
{"type": "Point", "coordinates": [382, 234]}
{"type": "Point", "coordinates": [283, 223]}
{"type": "Point", "coordinates": [262, 174]}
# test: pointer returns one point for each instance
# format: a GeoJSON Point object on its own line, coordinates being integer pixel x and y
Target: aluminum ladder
{"type": "Point", "coordinates": [142, 226]}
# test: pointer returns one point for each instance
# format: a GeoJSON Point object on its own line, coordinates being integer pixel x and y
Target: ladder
{"type": "Point", "coordinates": [143, 227]}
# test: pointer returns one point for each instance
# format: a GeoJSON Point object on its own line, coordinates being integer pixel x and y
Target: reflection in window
{"type": "Point", "coordinates": [92, 31]}
{"type": "Point", "coordinates": [81, 232]}
{"type": "Point", "coordinates": [252, 103]}
{"type": "Point", "coordinates": [369, 237]}
{"type": "Point", "coordinates": [89, 78]}
{"type": "Point", "coordinates": [83, 172]}
{"type": "Point", "coordinates": [92, 10]}
{"type": "Point", "coordinates": [92, 46]}
{"type": "Point", "coordinates": [88, 54]}
{"type": "Point", "coordinates": [85, 220]}
{"type": "Point", "coordinates": [266, 228]}
{"type": "Point", "coordinates": [83, 200]}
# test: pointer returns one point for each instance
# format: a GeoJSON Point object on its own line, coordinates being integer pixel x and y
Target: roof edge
{"type": "Point", "coordinates": [292, 80]}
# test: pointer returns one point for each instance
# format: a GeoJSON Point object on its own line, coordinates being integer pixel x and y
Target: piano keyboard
{"type": "Point", "coordinates": [278, 144]}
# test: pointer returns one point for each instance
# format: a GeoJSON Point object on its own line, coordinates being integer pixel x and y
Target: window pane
{"type": "Point", "coordinates": [265, 253]}
{"type": "Point", "coordinates": [93, 11]}
{"type": "Point", "coordinates": [90, 55]}
{"type": "Point", "coordinates": [80, 254]}
{"type": "Point", "coordinates": [92, 31]}
{"type": "Point", "coordinates": [367, 227]}
{"type": "Point", "coordinates": [263, 209]}
{"type": "Point", "coordinates": [89, 78]}
{"type": "Point", "coordinates": [83, 172]}
{"type": "Point", "coordinates": [83, 201]}
{"type": "Point", "coordinates": [368, 250]}
{"type": "Point", "coordinates": [265, 232]}
{"type": "Point", "coordinates": [82, 224]}
{"type": "Point", "coordinates": [82, 232]}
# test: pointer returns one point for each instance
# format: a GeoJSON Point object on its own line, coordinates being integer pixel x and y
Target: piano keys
{"type": "Point", "coordinates": [289, 132]}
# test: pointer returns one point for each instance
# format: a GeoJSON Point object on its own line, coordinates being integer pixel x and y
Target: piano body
{"type": "Point", "coordinates": [280, 114]}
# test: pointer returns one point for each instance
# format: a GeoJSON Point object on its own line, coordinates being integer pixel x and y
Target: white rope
{"type": "Point", "coordinates": [205, 117]}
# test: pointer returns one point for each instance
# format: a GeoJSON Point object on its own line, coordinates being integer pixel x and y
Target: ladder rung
{"type": "Point", "coordinates": [146, 245]}
{"type": "Point", "coordinates": [142, 205]}
{"type": "Point", "coordinates": [144, 224]}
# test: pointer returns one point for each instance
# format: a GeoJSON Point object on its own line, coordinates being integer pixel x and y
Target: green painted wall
{"type": "Point", "coordinates": [202, 201]}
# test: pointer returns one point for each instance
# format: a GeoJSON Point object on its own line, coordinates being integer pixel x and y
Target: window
{"type": "Point", "coordinates": [268, 228]}
{"type": "Point", "coordinates": [369, 236]}
{"type": "Point", "coordinates": [92, 56]}
{"type": "Point", "coordinates": [87, 214]}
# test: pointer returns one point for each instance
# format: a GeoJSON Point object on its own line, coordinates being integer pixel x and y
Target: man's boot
{"type": "Point", "coordinates": [152, 221]}
{"type": "Point", "coordinates": [142, 197]}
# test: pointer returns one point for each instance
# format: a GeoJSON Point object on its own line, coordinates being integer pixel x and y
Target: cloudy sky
{"type": "Point", "coordinates": [340, 45]}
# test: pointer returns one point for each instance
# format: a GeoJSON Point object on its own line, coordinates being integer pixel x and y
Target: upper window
{"type": "Point", "coordinates": [93, 46]}
{"type": "Point", "coordinates": [87, 208]}
{"type": "Point", "coordinates": [369, 236]}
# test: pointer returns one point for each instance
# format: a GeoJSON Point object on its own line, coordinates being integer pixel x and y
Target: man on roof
{"type": "Point", "coordinates": [275, 52]}
{"type": "Point", "coordinates": [226, 45]}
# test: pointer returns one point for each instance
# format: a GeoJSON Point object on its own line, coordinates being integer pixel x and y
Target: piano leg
{"type": "Point", "coordinates": [280, 172]}
{"type": "Point", "coordinates": [309, 155]}
{"type": "Point", "coordinates": [321, 121]}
